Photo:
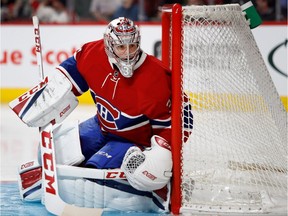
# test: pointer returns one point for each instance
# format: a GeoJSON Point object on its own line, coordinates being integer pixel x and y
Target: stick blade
{"type": "Point", "coordinates": [70, 210]}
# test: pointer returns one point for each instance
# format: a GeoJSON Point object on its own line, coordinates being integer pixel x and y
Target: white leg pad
{"type": "Point", "coordinates": [67, 144]}
{"type": "Point", "coordinates": [86, 192]}
{"type": "Point", "coordinates": [29, 181]}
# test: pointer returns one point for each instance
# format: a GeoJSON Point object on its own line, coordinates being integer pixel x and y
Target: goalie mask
{"type": "Point", "coordinates": [122, 44]}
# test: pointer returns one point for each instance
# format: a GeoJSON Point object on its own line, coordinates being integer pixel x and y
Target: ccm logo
{"type": "Point", "coordinates": [48, 164]}
{"type": "Point", "coordinates": [29, 164]}
{"type": "Point", "coordinates": [37, 39]}
{"type": "Point", "coordinates": [116, 174]}
{"type": "Point", "coordinates": [33, 90]}
{"type": "Point", "coordinates": [64, 110]}
{"type": "Point", "coordinates": [149, 175]}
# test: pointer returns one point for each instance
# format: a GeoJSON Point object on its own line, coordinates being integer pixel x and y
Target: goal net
{"type": "Point", "coordinates": [235, 157]}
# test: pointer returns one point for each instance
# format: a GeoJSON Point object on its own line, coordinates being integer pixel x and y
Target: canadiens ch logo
{"type": "Point", "coordinates": [107, 113]}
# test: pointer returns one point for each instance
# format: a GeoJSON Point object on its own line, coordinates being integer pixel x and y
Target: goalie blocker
{"type": "Point", "coordinates": [50, 101]}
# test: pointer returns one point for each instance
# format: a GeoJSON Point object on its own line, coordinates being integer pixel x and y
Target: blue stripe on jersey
{"type": "Point", "coordinates": [70, 66]}
{"type": "Point", "coordinates": [160, 124]}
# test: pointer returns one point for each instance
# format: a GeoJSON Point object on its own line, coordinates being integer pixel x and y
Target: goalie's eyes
{"type": "Point", "coordinates": [131, 48]}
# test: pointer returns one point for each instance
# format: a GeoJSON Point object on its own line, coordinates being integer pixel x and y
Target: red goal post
{"type": "Point", "coordinates": [176, 120]}
{"type": "Point", "coordinates": [235, 160]}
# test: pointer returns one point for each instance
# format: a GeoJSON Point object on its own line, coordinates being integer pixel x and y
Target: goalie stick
{"type": "Point", "coordinates": [53, 201]}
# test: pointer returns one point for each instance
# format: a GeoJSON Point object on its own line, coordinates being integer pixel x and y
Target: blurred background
{"type": "Point", "coordinates": [75, 11]}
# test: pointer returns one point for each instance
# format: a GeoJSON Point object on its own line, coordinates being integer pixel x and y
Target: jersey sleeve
{"type": "Point", "coordinates": [70, 70]}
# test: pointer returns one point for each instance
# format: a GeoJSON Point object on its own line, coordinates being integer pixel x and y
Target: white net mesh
{"type": "Point", "coordinates": [236, 157]}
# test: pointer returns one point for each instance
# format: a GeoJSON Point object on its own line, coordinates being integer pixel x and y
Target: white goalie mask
{"type": "Point", "coordinates": [122, 44]}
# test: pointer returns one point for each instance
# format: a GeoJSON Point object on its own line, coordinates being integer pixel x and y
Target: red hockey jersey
{"type": "Point", "coordinates": [133, 108]}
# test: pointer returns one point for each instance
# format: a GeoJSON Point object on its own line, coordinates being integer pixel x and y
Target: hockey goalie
{"type": "Point", "coordinates": [131, 129]}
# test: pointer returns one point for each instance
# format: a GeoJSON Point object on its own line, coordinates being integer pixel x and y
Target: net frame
{"type": "Point", "coordinates": [174, 19]}
{"type": "Point", "coordinates": [172, 44]}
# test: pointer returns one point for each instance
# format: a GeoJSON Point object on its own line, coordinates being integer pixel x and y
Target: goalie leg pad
{"type": "Point", "coordinates": [111, 195]}
{"type": "Point", "coordinates": [30, 181]}
{"type": "Point", "coordinates": [67, 144]}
